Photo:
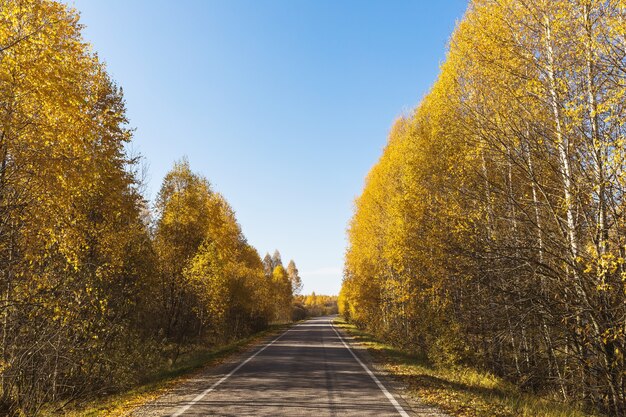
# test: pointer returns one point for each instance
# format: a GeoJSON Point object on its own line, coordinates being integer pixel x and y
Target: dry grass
{"type": "Point", "coordinates": [460, 392]}
{"type": "Point", "coordinates": [123, 403]}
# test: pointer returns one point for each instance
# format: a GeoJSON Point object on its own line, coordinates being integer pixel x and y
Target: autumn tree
{"type": "Point", "coordinates": [294, 277]}
{"type": "Point", "coordinates": [75, 254]}
{"type": "Point", "coordinates": [183, 207]}
{"type": "Point", "coordinates": [226, 275]}
{"type": "Point", "coordinates": [94, 294]}
{"type": "Point", "coordinates": [268, 265]}
{"type": "Point", "coordinates": [490, 231]}
{"type": "Point", "coordinates": [276, 260]}
{"type": "Point", "coordinates": [282, 294]}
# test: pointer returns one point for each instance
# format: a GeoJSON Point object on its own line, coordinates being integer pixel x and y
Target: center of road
{"type": "Point", "coordinates": [290, 378]}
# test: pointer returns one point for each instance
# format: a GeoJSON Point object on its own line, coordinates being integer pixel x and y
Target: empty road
{"type": "Point", "coordinates": [309, 370]}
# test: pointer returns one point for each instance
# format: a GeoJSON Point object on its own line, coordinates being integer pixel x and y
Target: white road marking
{"type": "Point", "coordinates": [393, 401]}
{"type": "Point", "coordinates": [200, 396]}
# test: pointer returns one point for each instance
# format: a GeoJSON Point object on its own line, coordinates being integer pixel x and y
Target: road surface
{"type": "Point", "coordinates": [309, 370]}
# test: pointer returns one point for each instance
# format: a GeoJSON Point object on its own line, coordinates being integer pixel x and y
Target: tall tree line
{"type": "Point", "coordinates": [92, 293]}
{"type": "Point", "coordinates": [286, 282]}
{"type": "Point", "coordinates": [492, 229]}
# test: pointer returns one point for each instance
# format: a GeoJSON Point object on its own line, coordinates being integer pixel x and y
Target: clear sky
{"type": "Point", "coordinates": [283, 105]}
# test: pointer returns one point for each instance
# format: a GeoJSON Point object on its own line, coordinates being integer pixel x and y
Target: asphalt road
{"type": "Point", "coordinates": [307, 371]}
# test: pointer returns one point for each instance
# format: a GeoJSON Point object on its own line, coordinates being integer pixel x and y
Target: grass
{"type": "Point", "coordinates": [160, 381]}
{"type": "Point", "coordinates": [461, 391]}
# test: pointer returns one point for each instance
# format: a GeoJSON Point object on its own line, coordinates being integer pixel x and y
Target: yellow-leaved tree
{"type": "Point", "coordinates": [491, 230]}
{"type": "Point", "coordinates": [74, 251]}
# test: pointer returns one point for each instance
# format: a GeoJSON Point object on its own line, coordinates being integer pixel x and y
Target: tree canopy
{"type": "Point", "coordinates": [491, 229]}
{"type": "Point", "coordinates": [93, 294]}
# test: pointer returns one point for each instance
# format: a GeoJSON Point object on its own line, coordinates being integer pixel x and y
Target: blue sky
{"type": "Point", "coordinates": [283, 105]}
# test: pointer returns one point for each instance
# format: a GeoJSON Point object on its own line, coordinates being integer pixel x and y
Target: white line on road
{"type": "Point", "coordinates": [393, 401]}
{"type": "Point", "coordinates": [200, 396]}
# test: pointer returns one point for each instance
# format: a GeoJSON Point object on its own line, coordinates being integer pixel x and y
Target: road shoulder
{"type": "Point", "coordinates": [137, 400]}
{"type": "Point", "coordinates": [459, 391]}
{"type": "Point", "coordinates": [410, 403]}
{"type": "Point", "coordinates": [184, 390]}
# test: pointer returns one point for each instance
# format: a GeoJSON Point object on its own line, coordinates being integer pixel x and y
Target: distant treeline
{"type": "Point", "coordinates": [313, 305]}
{"type": "Point", "coordinates": [96, 287]}
{"type": "Point", "coordinates": [492, 231]}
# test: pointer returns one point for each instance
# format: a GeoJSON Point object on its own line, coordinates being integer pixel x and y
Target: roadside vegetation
{"type": "Point", "coordinates": [491, 232]}
{"type": "Point", "coordinates": [159, 380]}
{"type": "Point", "coordinates": [460, 391]}
{"type": "Point", "coordinates": [98, 287]}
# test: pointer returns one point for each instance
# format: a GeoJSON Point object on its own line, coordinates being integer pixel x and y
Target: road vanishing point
{"type": "Point", "coordinates": [309, 370]}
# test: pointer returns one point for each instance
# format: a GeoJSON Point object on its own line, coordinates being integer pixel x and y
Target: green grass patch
{"type": "Point", "coordinates": [161, 380]}
{"type": "Point", "coordinates": [459, 391]}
